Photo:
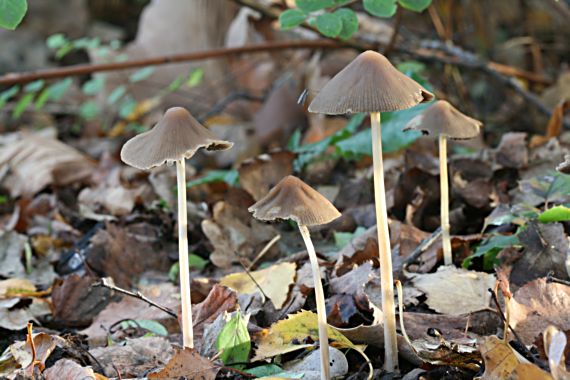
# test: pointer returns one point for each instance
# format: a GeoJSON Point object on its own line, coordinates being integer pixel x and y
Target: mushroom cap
{"type": "Point", "coordinates": [369, 84]}
{"type": "Point", "coordinates": [564, 166]}
{"type": "Point", "coordinates": [293, 199]}
{"type": "Point", "coordinates": [176, 136]}
{"type": "Point", "coordinates": [442, 118]}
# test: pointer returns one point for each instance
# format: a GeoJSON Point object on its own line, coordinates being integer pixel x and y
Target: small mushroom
{"type": "Point", "coordinates": [293, 199]}
{"type": "Point", "coordinates": [174, 138]}
{"type": "Point", "coordinates": [445, 121]}
{"type": "Point", "coordinates": [371, 84]}
{"type": "Point", "coordinates": [564, 166]}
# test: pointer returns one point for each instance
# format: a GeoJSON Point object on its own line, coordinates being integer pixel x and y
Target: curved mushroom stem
{"type": "Point", "coordinates": [386, 277]}
{"type": "Point", "coordinates": [187, 333]}
{"type": "Point", "coordinates": [320, 299]}
{"type": "Point", "coordinates": [444, 190]}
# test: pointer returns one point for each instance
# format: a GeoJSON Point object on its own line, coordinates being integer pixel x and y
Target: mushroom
{"type": "Point", "coordinates": [293, 199]}
{"type": "Point", "coordinates": [371, 84]}
{"type": "Point", "coordinates": [564, 166]}
{"type": "Point", "coordinates": [174, 138]}
{"type": "Point", "coordinates": [446, 121]}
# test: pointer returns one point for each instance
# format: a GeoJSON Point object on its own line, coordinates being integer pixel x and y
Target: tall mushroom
{"type": "Point", "coordinates": [293, 199]}
{"type": "Point", "coordinates": [445, 121]}
{"type": "Point", "coordinates": [174, 138]}
{"type": "Point", "coordinates": [371, 84]}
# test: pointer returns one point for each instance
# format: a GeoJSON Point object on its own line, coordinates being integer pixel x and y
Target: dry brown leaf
{"type": "Point", "coordinates": [187, 364]}
{"type": "Point", "coordinates": [555, 345]}
{"type": "Point", "coordinates": [274, 282]}
{"type": "Point", "coordinates": [503, 363]}
{"type": "Point", "coordinates": [258, 175]}
{"type": "Point", "coordinates": [66, 369]}
{"type": "Point", "coordinates": [15, 287]}
{"type": "Point", "coordinates": [36, 162]}
{"type": "Point", "coordinates": [219, 300]}
{"type": "Point", "coordinates": [554, 126]}
{"type": "Point", "coordinates": [538, 305]}
{"type": "Point", "coordinates": [455, 291]}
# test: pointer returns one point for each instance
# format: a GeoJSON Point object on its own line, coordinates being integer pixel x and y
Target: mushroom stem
{"type": "Point", "coordinates": [444, 190]}
{"type": "Point", "coordinates": [386, 279]}
{"type": "Point", "coordinates": [187, 333]}
{"type": "Point", "coordinates": [320, 300]}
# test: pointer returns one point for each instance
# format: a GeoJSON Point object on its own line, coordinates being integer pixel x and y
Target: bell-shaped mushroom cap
{"type": "Point", "coordinates": [293, 199]}
{"type": "Point", "coordinates": [369, 84]}
{"type": "Point", "coordinates": [564, 167]}
{"type": "Point", "coordinates": [176, 136]}
{"type": "Point", "coordinates": [443, 118]}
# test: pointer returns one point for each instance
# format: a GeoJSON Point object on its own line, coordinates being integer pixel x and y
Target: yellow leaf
{"type": "Point", "coordinates": [274, 281]}
{"type": "Point", "coordinates": [289, 334]}
{"type": "Point", "coordinates": [14, 287]}
{"type": "Point", "coordinates": [502, 362]}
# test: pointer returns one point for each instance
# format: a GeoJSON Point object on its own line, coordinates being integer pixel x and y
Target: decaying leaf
{"type": "Point", "coordinates": [219, 300]}
{"type": "Point", "coordinates": [36, 162]}
{"type": "Point", "coordinates": [310, 365]}
{"type": "Point", "coordinates": [455, 291]}
{"type": "Point", "coordinates": [555, 344]}
{"type": "Point", "coordinates": [11, 249]}
{"type": "Point", "coordinates": [19, 355]}
{"type": "Point", "coordinates": [538, 305]}
{"type": "Point", "coordinates": [502, 362]}
{"type": "Point", "coordinates": [66, 369]}
{"type": "Point", "coordinates": [289, 334]}
{"type": "Point", "coordinates": [274, 282]}
{"type": "Point", "coordinates": [258, 175]}
{"type": "Point", "coordinates": [187, 364]}
{"type": "Point", "coordinates": [18, 318]}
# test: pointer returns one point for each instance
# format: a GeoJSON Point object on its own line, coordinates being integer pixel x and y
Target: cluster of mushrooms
{"type": "Point", "coordinates": [368, 84]}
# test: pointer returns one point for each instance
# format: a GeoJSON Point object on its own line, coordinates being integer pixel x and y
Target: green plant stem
{"type": "Point", "coordinates": [444, 191]}
{"type": "Point", "coordinates": [385, 251]}
{"type": "Point", "coordinates": [187, 333]}
{"type": "Point", "coordinates": [320, 300]}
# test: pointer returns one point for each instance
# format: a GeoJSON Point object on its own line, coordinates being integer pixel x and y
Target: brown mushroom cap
{"type": "Point", "coordinates": [442, 118]}
{"type": "Point", "coordinates": [369, 84]}
{"type": "Point", "coordinates": [564, 167]}
{"type": "Point", "coordinates": [293, 199]}
{"type": "Point", "coordinates": [176, 136]}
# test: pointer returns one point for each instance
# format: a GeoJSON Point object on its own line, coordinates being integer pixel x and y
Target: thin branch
{"type": "Point", "coordinates": [104, 283]}
{"type": "Point", "coordinates": [420, 249]}
{"type": "Point", "coordinates": [550, 278]}
{"type": "Point", "coordinates": [60, 72]}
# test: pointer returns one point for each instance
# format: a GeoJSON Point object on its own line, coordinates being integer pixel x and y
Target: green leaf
{"type": "Point", "coordinates": [230, 177]}
{"type": "Point", "coordinates": [329, 24]}
{"type": "Point", "coordinates": [415, 5]}
{"type": "Point", "coordinates": [176, 83]}
{"type": "Point", "coordinates": [547, 188]}
{"type": "Point", "coordinates": [142, 74]}
{"type": "Point", "coordinates": [490, 247]}
{"type": "Point", "coordinates": [313, 5]}
{"type": "Point", "coordinates": [117, 93]}
{"type": "Point", "coordinates": [291, 18]}
{"type": "Point", "coordinates": [128, 105]}
{"type": "Point", "coordinates": [152, 326]}
{"type": "Point", "coordinates": [555, 214]}
{"type": "Point", "coordinates": [349, 22]}
{"type": "Point", "coordinates": [34, 86]}
{"type": "Point", "coordinates": [273, 371]}
{"type": "Point", "coordinates": [94, 85]}
{"type": "Point", "coordinates": [56, 41]}
{"type": "Point", "coordinates": [22, 105]}
{"type": "Point", "coordinates": [380, 8]}
{"type": "Point", "coordinates": [53, 92]}
{"type": "Point", "coordinates": [8, 94]}
{"type": "Point", "coordinates": [195, 78]}
{"type": "Point", "coordinates": [341, 239]}
{"type": "Point", "coordinates": [12, 12]}
{"type": "Point", "coordinates": [89, 110]}
{"type": "Point", "coordinates": [233, 341]}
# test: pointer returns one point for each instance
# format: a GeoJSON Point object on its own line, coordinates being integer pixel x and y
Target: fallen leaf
{"type": "Point", "coordinates": [66, 369]}
{"type": "Point", "coordinates": [187, 364]}
{"type": "Point", "coordinates": [11, 249]}
{"type": "Point", "coordinates": [17, 318]}
{"type": "Point", "coordinates": [258, 175]}
{"type": "Point", "coordinates": [537, 305]}
{"type": "Point", "coordinates": [555, 345]}
{"type": "Point", "coordinates": [554, 126]}
{"type": "Point", "coordinates": [135, 357]}
{"type": "Point", "coordinates": [16, 287]}
{"type": "Point", "coordinates": [18, 356]}
{"type": "Point", "coordinates": [455, 291]}
{"type": "Point", "coordinates": [512, 151]}
{"type": "Point", "coordinates": [310, 365]}
{"type": "Point", "coordinates": [502, 362]}
{"type": "Point", "coordinates": [274, 282]}
{"type": "Point", "coordinates": [287, 335]}
{"type": "Point", "coordinates": [219, 300]}
{"type": "Point", "coordinates": [233, 341]}
{"type": "Point", "coordinates": [36, 162]}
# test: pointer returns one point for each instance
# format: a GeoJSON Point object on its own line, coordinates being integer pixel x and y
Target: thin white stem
{"type": "Point", "coordinates": [386, 277]}
{"type": "Point", "coordinates": [320, 299]}
{"type": "Point", "coordinates": [444, 190]}
{"type": "Point", "coordinates": [187, 333]}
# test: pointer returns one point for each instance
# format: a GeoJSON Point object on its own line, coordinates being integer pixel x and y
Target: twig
{"type": "Point", "coordinates": [104, 283]}
{"type": "Point", "coordinates": [425, 244]}
{"type": "Point", "coordinates": [60, 72]}
{"type": "Point", "coordinates": [550, 278]}
{"type": "Point", "coordinates": [251, 277]}
{"type": "Point", "coordinates": [222, 104]}
{"type": "Point", "coordinates": [265, 249]}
